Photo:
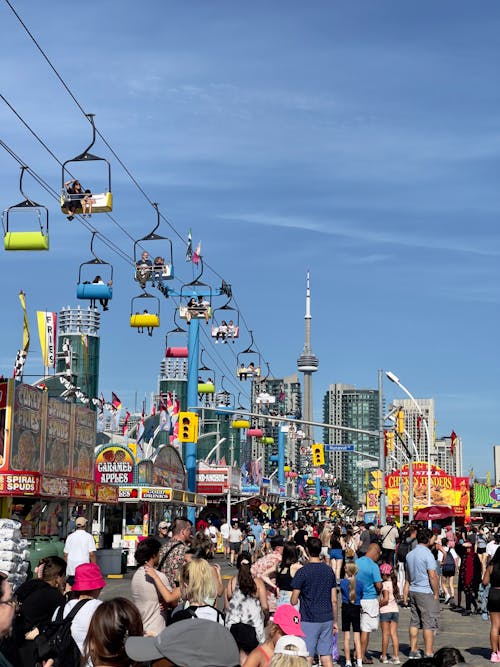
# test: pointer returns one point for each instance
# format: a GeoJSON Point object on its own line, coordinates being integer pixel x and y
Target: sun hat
{"type": "Point", "coordinates": [163, 524]}
{"type": "Point", "coordinates": [290, 645]}
{"type": "Point", "coordinates": [288, 619]}
{"type": "Point", "coordinates": [88, 577]}
{"type": "Point", "coordinates": [386, 568]}
{"type": "Point", "coordinates": [81, 521]}
{"type": "Point", "coordinates": [193, 642]}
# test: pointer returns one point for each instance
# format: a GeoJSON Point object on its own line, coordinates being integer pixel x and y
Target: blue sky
{"type": "Point", "coordinates": [360, 140]}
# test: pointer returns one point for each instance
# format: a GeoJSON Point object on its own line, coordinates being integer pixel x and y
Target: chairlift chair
{"type": "Point", "coordinates": [27, 239]}
{"type": "Point", "coordinates": [226, 326]}
{"type": "Point", "coordinates": [95, 290]}
{"type": "Point", "coordinates": [194, 290]}
{"type": "Point", "coordinates": [246, 368]}
{"type": "Point", "coordinates": [144, 319]}
{"type": "Point", "coordinates": [102, 202]}
{"type": "Point", "coordinates": [178, 352]}
{"type": "Point", "coordinates": [157, 268]}
{"type": "Point", "coordinates": [204, 386]}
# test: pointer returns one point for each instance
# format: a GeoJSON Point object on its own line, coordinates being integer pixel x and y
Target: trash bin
{"type": "Point", "coordinates": [109, 560]}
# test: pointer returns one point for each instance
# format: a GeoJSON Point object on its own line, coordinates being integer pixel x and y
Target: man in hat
{"type": "Point", "coordinates": [191, 643]}
{"type": "Point", "coordinates": [79, 548]}
{"type": "Point", "coordinates": [266, 568]}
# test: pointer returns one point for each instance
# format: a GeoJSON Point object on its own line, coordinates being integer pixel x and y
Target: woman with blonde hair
{"type": "Point", "coordinates": [351, 591]}
{"type": "Point", "coordinates": [290, 651]}
{"type": "Point", "coordinates": [198, 587]}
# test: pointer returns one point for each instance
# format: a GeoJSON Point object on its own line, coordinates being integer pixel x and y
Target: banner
{"type": "Point", "coordinates": [22, 354]}
{"type": "Point", "coordinates": [47, 332]}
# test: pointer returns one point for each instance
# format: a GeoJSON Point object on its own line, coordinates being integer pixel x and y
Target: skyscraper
{"type": "Point", "coordinates": [415, 428]}
{"type": "Point", "coordinates": [308, 364]}
{"type": "Point", "coordinates": [345, 405]}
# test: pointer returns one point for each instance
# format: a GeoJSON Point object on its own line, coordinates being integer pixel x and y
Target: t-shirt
{"type": "Point", "coordinates": [345, 589]}
{"type": "Point", "coordinates": [364, 541]}
{"type": "Point", "coordinates": [235, 535]}
{"type": "Point", "coordinates": [78, 547]}
{"type": "Point", "coordinates": [418, 562]}
{"type": "Point", "coordinates": [81, 622]}
{"type": "Point", "coordinates": [300, 537]}
{"type": "Point", "coordinates": [389, 534]}
{"type": "Point", "coordinates": [391, 605]}
{"type": "Point", "coordinates": [369, 575]}
{"type": "Point", "coordinates": [315, 582]}
{"type": "Point", "coordinates": [257, 531]}
{"type": "Point", "coordinates": [224, 531]}
{"type": "Point", "coordinates": [206, 611]}
{"type": "Point", "coordinates": [146, 598]}
{"type": "Point", "coordinates": [441, 555]}
{"type": "Point", "coordinates": [491, 548]}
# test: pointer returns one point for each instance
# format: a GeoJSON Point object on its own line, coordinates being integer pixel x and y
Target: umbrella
{"type": "Point", "coordinates": [434, 513]}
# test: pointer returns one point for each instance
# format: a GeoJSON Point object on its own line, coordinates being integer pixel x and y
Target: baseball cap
{"type": "Point", "coordinates": [163, 524]}
{"type": "Point", "coordinates": [291, 645]}
{"type": "Point", "coordinates": [81, 521]}
{"type": "Point", "coordinates": [194, 642]}
{"type": "Point", "coordinates": [288, 619]}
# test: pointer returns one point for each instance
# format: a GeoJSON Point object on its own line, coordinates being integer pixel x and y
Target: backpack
{"type": "Point", "coordinates": [448, 567]}
{"type": "Point", "coordinates": [56, 641]}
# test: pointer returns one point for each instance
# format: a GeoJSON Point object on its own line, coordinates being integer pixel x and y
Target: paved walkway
{"type": "Point", "coordinates": [470, 634]}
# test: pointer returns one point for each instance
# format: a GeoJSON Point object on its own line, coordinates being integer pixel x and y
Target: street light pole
{"type": "Point", "coordinates": [381, 441]}
{"type": "Point", "coordinates": [394, 378]}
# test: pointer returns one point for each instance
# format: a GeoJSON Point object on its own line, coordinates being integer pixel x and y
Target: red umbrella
{"type": "Point", "coordinates": [434, 513]}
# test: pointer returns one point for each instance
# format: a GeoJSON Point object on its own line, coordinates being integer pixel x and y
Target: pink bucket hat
{"type": "Point", "coordinates": [288, 619]}
{"type": "Point", "coordinates": [386, 568]}
{"type": "Point", "coordinates": [88, 577]}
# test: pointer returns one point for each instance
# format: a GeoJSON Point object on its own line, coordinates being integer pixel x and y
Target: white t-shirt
{"type": "Point", "coordinates": [235, 535]}
{"type": "Point", "coordinates": [212, 531]}
{"type": "Point", "coordinates": [81, 622]}
{"type": "Point", "coordinates": [452, 551]}
{"type": "Point", "coordinates": [389, 535]}
{"type": "Point", "coordinates": [491, 548]}
{"type": "Point", "coordinates": [78, 546]}
{"type": "Point", "coordinates": [224, 531]}
{"type": "Point", "coordinates": [146, 598]}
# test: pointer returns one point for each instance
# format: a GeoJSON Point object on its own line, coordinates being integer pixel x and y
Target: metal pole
{"type": "Point", "coordinates": [281, 455]}
{"type": "Point", "coordinates": [192, 398]}
{"type": "Point", "coordinates": [401, 511]}
{"type": "Point", "coordinates": [382, 497]}
{"type": "Point", "coordinates": [410, 489]}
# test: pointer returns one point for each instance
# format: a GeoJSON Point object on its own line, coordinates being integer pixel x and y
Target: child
{"type": "Point", "coordinates": [389, 613]}
{"type": "Point", "coordinates": [352, 591]}
{"type": "Point", "coordinates": [87, 202]}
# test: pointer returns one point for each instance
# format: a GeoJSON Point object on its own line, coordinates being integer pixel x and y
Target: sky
{"type": "Point", "coordinates": [356, 140]}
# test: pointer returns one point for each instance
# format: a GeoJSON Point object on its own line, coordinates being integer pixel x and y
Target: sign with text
{"type": "Point", "coordinates": [339, 448]}
{"type": "Point", "coordinates": [22, 484]}
{"type": "Point", "coordinates": [114, 465]}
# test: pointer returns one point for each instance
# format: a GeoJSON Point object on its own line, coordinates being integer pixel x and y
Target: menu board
{"type": "Point", "coordinates": [58, 438]}
{"type": "Point", "coordinates": [28, 429]}
{"type": "Point", "coordinates": [84, 430]}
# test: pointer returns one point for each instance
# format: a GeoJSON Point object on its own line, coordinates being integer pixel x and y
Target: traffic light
{"type": "Point", "coordinates": [400, 422]}
{"type": "Point", "coordinates": [318, 455]}
{"type": "Point", "coordinates": [188, 427]}
{"type": "Point", "coordinates": [388, 441]}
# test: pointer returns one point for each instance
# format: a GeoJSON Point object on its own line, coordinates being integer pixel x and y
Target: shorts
{"type": "Point", "coordinates": [336, 554]}
{"type": "Point", "coordinates": [235, 546]}
{"type": "Point", "coordinates": [493, 600]}
{"type": "Point", "coordinates": [351, 616]}
{"type": "Point", "coordinates": [481, 550]}
{"type": "Point", "coordinates": [390, 617]}
{"type": "Point", "coordinates": [318, 637]}
{"type": "Point", "coordinates": [424, 611]}
{"type": "Point", "coordinates": [369, 615]}
{"type": "Point", "coordinates": [324, 551]}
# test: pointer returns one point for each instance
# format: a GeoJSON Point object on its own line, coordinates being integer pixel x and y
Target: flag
{"type": "Point", "coordinates": [140, 429]}
{"type": "Point", "coordinates": [222, 462]}
{"type": "Point", "coordinates": [22, 354]}
{"type": "Point", "coordinates": [47, 332]}
{"type": "Point", "coordinates": [197, 254]}
{"type": "Point", "coordinates": [189, 248]}
{"type": "Point", "coordinates": [125, 422]}
{"type": "Point", "coordinates": [453, 443]}
{"type": "Point", "coordinates": [115, 401]}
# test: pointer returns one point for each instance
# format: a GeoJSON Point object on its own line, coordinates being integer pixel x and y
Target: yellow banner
{"type": "Point", "coordinates": [47, 335]}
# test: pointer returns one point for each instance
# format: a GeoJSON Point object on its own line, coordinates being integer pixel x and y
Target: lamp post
{"type": "Point", "coordinates": [394, 378]}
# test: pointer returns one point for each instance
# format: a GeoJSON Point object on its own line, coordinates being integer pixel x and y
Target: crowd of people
{"type": "Point", "coordinates": [301, 591]}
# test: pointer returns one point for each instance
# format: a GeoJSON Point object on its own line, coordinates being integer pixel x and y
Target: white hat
{"type": "Point", "coordinates": [290, 645]}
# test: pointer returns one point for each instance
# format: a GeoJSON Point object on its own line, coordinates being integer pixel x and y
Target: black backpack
{"type": "Point", "coordinates": [402, 551]}
{"type": "Point", "coordinates": [448, 567]}
{"type": "Point", "coordinates": [56, 641]}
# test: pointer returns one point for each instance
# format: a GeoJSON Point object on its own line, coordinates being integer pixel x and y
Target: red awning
{"type": "Point", "coordinates": [434, 513]}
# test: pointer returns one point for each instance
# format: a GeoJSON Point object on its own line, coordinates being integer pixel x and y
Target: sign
{"type": "Point", "coordinates": [339, 448]}
{"type": "Point", "coordinates": [28, 433]}
{"type": "Point", "coordinates": [156, 493]}
{"type": "Point", "coordinates": [128, 493]}
{"type": "Point", "coordinates": [47, 331]}
{"type": "Point", "coordinates": [54, 486]}
{"type": "Point", "coordinates": [366, 463]}
{"type": "Point", "coordinates": [84, 430]}
{"type": "Point", "coordinates": [114, 465]}
{"type": "Point", "coordinates": [58, 438]}
{"type": "Point", "coordinates": [82, 490]}
{"type": "Point", "coordinates": [19, 485]}
{"type": "Point", "coordinates": [168, 469]}
{"type": "Point", "coordinates": [212, 481]}
{"type": "Point", "coordinates": [107, 494]}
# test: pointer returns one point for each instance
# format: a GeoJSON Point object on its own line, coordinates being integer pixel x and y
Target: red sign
{"type": "Point", "coordinates": [19, 484]}
{"type": "Point", "coordinates": [212, 481]}
{"type": "Point", "coordinates": [114, 465]}
{"type": "Point", "coordinates": [210, 489]}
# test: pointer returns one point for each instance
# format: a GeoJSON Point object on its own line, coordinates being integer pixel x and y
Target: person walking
{"type": "Point", "coordinates": [235, 540]}
{"type": "Point", "coordinates": [351, 590]}
{"type": "Point", "coordinates": [364, 540]}
{"type": "Point", "coordinates": [421, 590]}
{"type": "Point", "coordinates": [469, 578]}
{"type": "Point", "coordinates": [389, 535]}
{"type": "Point", "coordinates": [449, 561]}
{"type": "Point", "coordinates": [266, 568]}
{"type": "Point", "coordinates": [171, 555]}
{"type": "Point", "coordinates": [369, 576]}
{"type": "Point", "coordinates": [79, 548]}
{"type": "Point", "coordinates": [492, 578]}
{"type": "Point", "coordinates": [316, 588]}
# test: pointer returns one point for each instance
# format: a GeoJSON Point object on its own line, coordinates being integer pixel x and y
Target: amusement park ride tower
{"type": "Point", "coordinates": [308, 364]}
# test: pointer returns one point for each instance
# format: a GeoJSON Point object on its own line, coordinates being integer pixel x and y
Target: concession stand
{"type": "Point", "coordinates": [149, 491]}
{"type": "Point", "coordinates": [46, 460]}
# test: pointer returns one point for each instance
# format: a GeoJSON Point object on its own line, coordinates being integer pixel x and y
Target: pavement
{"type": "Point", "coordinates": [469, 634]}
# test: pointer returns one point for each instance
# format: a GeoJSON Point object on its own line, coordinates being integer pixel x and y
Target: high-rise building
{"type": "Point", "coordinates": [345, 405]}
{"type": "Point", "coordinates": [415, 428]}
{"type": "Point", "coordinates": [308, 364]}
{"type": "Point", "coordinates": [445, 459]}
{"type": "Point", "coordinates": [276, 397]}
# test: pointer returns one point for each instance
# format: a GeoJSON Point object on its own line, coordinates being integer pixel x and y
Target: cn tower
{"type": "Point", "coordinates": [308, 364]}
